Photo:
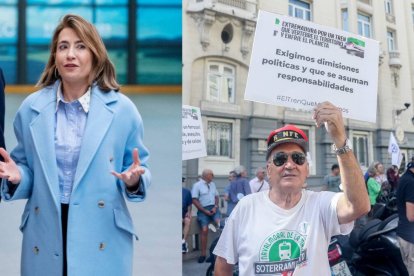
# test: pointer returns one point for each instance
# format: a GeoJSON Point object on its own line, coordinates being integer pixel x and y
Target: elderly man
{"type": "Point", "coordinates": [238, 188]}
{"type": "Point", "coordinates": [206, 198]}
{"type": "Point", "coordinates": [405, 229]}
{"type": "Point", "coordinates": [332, 181]}
{"type": "Point", "coordinates": [259, 183]}
{"type": "Point", "coordinates": [226, 196]}
{"type": "Point", "coordinates": [287, 230]}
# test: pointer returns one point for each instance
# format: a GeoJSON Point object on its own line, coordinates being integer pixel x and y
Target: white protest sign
{"type": "Point", "coordinates": [193, 143]}
{"type": "Point", "coordinates": [298, 64]}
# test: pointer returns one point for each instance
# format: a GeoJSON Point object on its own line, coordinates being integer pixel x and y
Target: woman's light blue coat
{"type": "Point", "coordinates": [100, 230]}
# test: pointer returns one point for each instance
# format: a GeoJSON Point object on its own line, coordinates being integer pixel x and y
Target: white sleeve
{"type": "Point", "coordinates": [195, 191]}
{"type": "Point", "coordinates": [333, 222]}
{"type": "Point", "coordinates": [228, 242]}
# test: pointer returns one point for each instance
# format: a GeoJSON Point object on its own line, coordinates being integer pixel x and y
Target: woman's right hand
{"type": "Point", "coordinates": [9, 169]}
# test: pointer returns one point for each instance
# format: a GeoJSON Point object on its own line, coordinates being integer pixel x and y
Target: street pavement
{"type": "Point", "coordinates": [192, 268]}
{"type": "Point", "coordinates": [157, 220]}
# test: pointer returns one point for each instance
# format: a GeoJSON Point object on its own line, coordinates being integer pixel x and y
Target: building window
{"type": "Point", "coordinates": [42, 17]}
{"type": "Point", "coordinates": [360, 148]}
{"type": "Point", "coordinates": [143, 37]}
{"type": "Point", "coordinates": [220, 84]}
{"type": "Point", "coordinates": [159, 55]}
{"type": "Point", "coordinates": [345, 20]}
{"type": "Point", "coordinates": [241, 4]}
{"type": "Point", "coordinates": [219, 138]}
{"type": "Point", "coordinates": [364, 25]}
{"type": "Point", "coordinates": [300, 9]}
{"type": "Point", "coordinates": [227, 34]}
{"type": "Point", "coordinates": [391, 41]}
{"type": "Point", "coordinates": [388, 7]}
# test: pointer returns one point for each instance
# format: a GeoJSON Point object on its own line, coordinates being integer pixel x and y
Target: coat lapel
{"type": "Point", "coordinates": [42, 129]}
{"type": "Point", "coordinates": [99, 120]}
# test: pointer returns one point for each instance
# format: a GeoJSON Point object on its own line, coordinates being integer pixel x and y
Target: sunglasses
{"type": "Point", "coordinates": [280, 158]}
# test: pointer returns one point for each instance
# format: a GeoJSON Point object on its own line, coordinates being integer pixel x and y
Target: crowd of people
{"type": "Point", "coordinates": [380, 184]}
{"type": "Point", "coordinates": [205, 197]}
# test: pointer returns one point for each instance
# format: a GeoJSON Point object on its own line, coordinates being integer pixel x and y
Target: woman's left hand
{"type": "Point", "coordinates": [131, 176]}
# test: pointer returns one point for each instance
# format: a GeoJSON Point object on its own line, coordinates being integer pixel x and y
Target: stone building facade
{"type": "Point", "coordinates": [217, 43]}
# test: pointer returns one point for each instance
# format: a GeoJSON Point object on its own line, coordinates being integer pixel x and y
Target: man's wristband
{"type": "Point", "coordinates": [346, 148]}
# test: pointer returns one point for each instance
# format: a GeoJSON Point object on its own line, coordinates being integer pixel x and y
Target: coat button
{"type": "Point", "coordinates": [102, 246]}
{"type": "Point", "coordinates": [37, 210]}
{"type": "Point", "coordinates": [36, 250]}
{"type": "Point", "coordinates": [101, 203]}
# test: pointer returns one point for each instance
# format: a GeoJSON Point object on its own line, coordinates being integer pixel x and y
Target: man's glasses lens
{"type": "Point", "coordinates": [280, 158]}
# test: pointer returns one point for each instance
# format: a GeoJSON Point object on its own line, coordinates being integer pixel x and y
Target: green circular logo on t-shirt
{"type": "Point", "coordinates": [282, 245]}
{"type": "Point", "coordinates": [284, 250]}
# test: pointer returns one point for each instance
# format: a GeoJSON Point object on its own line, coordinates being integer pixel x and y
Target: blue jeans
{"type": "Point", "coordinates": [204, 219]}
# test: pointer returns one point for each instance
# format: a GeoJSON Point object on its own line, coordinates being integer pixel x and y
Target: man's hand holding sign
{"type": "Point", "coordinates": [354, 201]}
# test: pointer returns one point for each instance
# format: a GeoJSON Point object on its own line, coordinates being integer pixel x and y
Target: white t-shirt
{"type": "Point", "coordinates": [255, 184]}
{"type": "Point", "coordinates": [268, 240]}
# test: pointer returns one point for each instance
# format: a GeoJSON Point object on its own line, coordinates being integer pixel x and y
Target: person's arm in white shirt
{"type": "Point", "coordinates": [222, 268]}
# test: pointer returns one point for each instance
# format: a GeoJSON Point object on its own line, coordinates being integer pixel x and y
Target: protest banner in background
{"type": "Point", "coordinates": [298, 64]}
{"type": "Point", "coordinates": [394, 150]}
{"type": "Point", "coordinates": [193, 143]}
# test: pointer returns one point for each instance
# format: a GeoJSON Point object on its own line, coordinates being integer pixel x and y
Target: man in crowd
{"type": "Point", "coordinates": [287, 230]}
{"type": "Point", "coordinates": [186, 215]}
{"type": "Point", "coordinates": [259, 183]}
{"type": "Point", "coordinates": [239, 187]}
{"type": "Point", "coordinates": [226, 196]}
{"type": "Point", "coordinates": [331, 181]}
{"type": "Point", "coordinates": [206, 199]}
{"type": "Point", "coordinates": [405, 205]}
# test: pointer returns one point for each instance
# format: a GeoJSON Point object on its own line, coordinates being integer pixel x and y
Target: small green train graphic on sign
{"type": "Point", "coordinates": [355, 47]}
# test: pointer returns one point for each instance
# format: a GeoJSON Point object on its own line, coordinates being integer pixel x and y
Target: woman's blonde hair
{"type": "Point", "coordinates": [372, 169]}
{"type": "Point", "coordinates": [103, 71]}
